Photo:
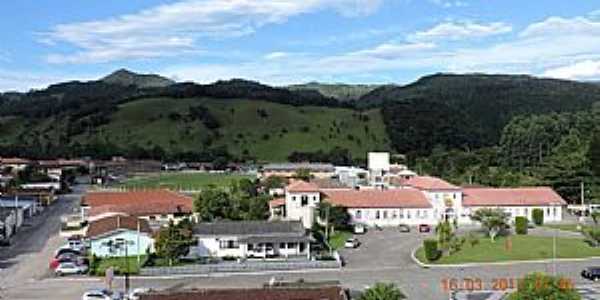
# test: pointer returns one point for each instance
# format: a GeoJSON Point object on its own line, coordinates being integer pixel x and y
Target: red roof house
{"type": "Point", "coordinates": [525, 196]}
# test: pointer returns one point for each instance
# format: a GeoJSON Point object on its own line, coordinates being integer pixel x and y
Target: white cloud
{"type": "Point", "coordinates": [177, 28]}
{"type": "Point", "coordinates": [449, 3]}
{"type": "Point", "coordinates": [24, 81]}
{"type": "Point", "coordinates": [587, 69]}
{"type": "Point", "coordinates": [461, 30]}
{"type": "Point", "coordinates": [564, 48]}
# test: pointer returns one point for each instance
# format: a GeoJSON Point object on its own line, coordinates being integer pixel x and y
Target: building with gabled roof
{"type": "Point", "coordinates": [104, 236]}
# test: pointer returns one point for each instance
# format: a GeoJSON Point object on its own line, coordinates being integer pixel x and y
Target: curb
{"type": "Point", "coordinates": [499, 263]}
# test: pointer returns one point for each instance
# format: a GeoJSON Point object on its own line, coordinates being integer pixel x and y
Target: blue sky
{"type": "Point", "coordinates": [290, 41]}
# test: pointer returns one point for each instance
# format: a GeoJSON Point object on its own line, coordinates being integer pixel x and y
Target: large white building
{"type": "Point", "coordinates": [418, 200]}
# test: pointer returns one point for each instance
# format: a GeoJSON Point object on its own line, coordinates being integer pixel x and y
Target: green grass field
{"type": "Point", "coordinates": [120, 265]}
{"type": "Point", "coordinates": [524, 247]}
{"type": "Point", "coordinates": [186, 181]}
{"type": "Point", "coordinates": [337, 240]}
{"type": "Point", "coordinates": [566, 227]}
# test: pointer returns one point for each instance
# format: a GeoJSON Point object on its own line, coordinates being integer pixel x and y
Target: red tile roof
{"type": "Point", "coordinates": [396, 198]}
{"type": "Point", "coordinates": [526, 196]}
{"type": "Point", "coordinates": [138, 203]}
{"type": "Point", "coordinates": [321, 293]}
{"type": "Point", "coordinates": [110, 224]}
{"type": "Point", "coordinates": [300, 186]}
{"type": "Point", "coordinates": [430, 183]}
{"type": "Point", "coordinates": [277, 202]}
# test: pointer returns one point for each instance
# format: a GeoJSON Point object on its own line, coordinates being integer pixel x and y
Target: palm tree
{"type": "Point", "coordinates": [382, 291]}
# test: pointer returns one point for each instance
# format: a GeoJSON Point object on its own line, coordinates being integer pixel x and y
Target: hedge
{"type": "Point", "coordinates": [538, 216]}
{"type": "Point", "coordinates": [431, 249]}
{"type": "Point", "coordinates": [521, 225]}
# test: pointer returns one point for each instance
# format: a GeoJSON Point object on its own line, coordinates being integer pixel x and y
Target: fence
{"type": "Point", "coordinates": [232, 267]}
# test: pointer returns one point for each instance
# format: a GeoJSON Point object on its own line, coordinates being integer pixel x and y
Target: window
{"type": "Point", "coordinates": [291, 245]}
{"type": "Point", "coordinates": [408, 214]}
{"type": "Point", "coordinates": [547, 211]}
{"type": "Point", "coordinates": [394, 214]}
{"type": "Point", "coordinates": [293, 198]}
{"type": "Point", "coordinates": [554, 212]}
{"type": "Point", "coordinates": [314, 198]}
{"type": "Point", "coordinates": [358, 214]}
{"type": "Point", "coordinates": [526, 212]}
{"type": "Point", "coordinates": [425, 214]}
{"type": "Point", "coordinates": [377, 215]}
{"type": "Point", "coordinates": [385, 214]}
{"type": "Point", "coordinates": [401, 214]}
{"type": "Point", "coordinates": [281, 245]}
{"type": "Point", "coordinates": [228, 244]}
{"type": "Point", "coordinates": [304, 200]}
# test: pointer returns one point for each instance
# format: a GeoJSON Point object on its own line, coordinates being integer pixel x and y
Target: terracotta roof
{"type": "Point", "coordinates": [396, 198]}
{"type": "Point", "coordinates": [321, 293]}
{"type": "Point", "coordinates": [138, 203]}
{"type": "Point", "coordinates": [300, 186]}
{"type": "Point", "coordinates": [277, 202]}
{"type": "Point", "coordinates": [110, 224]}
{"type": "Point", "coordinates": [527, 196]}
{"type": "Point", "coordinates": [328, 183]}
{"type": "Point", "coordinates": [430, 183]}
{"type": "Point", "coordinates": [14, 160]}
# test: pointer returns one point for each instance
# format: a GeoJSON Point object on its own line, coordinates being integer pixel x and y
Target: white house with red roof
{"type": "Point", "coordinates": [445, 198]}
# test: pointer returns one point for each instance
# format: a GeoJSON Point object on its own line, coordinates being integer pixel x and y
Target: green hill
{"type": "Point", "coordinates": [340, 91]}
{"type": "Point", "coordinates": [264, 130]}
{"type": "Point", "coordinates": [126, 77]}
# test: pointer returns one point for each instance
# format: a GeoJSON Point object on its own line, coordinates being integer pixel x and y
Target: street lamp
{"type": "Point", "coordinates": [121, 242]}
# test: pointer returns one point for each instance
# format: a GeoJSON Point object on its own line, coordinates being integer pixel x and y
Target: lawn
{"type": "Point", "coordinates": [524, 247]}
{"type": "Point", "coordinates": [119, 264]}
{"type": "Point", "coordinates": [178, 180]}
{"type": "Point", "coordinates": [337, 240]}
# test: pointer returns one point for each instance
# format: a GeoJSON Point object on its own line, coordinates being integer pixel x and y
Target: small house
{"type": "Point", "coordinates": [118, 236]}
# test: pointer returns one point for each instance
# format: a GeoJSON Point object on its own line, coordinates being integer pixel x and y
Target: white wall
{"type": "Point", "coordinates": [210, 247]}
{"type": "Point", "coordinates": [392, 216]}
{"type": "Point", "coordinates": [439, 200]}
{"type": "Point", "coordinates": [551, 213]}
{"type": "Point", "coordinates": [296, 211]}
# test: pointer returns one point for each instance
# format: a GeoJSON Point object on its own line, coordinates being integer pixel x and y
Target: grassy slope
{"type": "Point", "coordinates": [524, 247]}
{"type": "Point", "coordinates": [146, 121]}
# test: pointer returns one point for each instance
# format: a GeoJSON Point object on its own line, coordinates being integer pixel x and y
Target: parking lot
{"type": "Point", "coordinates": [383, 248]}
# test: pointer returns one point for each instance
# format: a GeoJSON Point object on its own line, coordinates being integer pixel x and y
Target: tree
{"type": "Point", "coordinates": [444, 234]}
{"type": "Point", "coordinates": [335, 216]}
{"type": "Point", "coordinates": [174, 241]}
{"type": "Point", "coordinates": [521, 225]}
{"type": "Point", "coordinates": [538, 216]}
{"type": "Point", "coordinates": [595, 214]}
{"type": "Point", "coordinates": [274, 182]}
{"type": "Point", "coordinates": [544, 287]}
{"type": "Point", "coordinates": [213, 203]}
{"type": "Point", "coordinates": [302, 174]}
{"type": "Point", "coordinates": [493, 220]}
{"type": "Point", "coordinates": [382, 291]}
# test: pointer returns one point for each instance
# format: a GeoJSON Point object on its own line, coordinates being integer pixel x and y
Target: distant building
{"type": "Point", "coordinates": [288, 170]}
{"type": "Point", "coordinates": [104, 235]}
{"type": "Point", "coordinates": [156, 206]}
{"type": "Point", "coordinates": [246, 239]}
{"type": "Point", "coordinates": [14, 163]}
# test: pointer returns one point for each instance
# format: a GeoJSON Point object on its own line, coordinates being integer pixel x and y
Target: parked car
{"type": "Point", "coordinates": [591, 273]}
{"type": "Point", "coordinates": [403, 228]}
{"type": "Point", "coordinates": [352, 243]}
{"type": "Point", "coordinates": [360, 229]}
{"type": "Point", "coordinates": [68, 258]}
{"type": "Point", "coordinates": [135, 294]}
{"type": "Point", "coordinates": [69, 268]}
{"type": "Point", "coordinates": [102, 295]}
{"type": "Point", "coordinates": [424, 228]}
{"type": "Point", "coordinates": [64, 250]}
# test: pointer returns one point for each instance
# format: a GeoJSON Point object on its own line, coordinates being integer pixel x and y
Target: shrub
{"type": "Point", "coordinates": [521, 225]}
{"type": "Point", "coordinates": [538, 216]}
{"type": "Point", "coordinates": [542, 286]}
{"type": "Point", "coordinates": [472, 239]}
{"type": "Point", "coordinates": [431, 249]}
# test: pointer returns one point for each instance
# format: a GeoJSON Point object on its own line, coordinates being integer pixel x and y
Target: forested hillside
{"type": "Point", "coordinates": [470, 111]}
{"type": "Point", "coordinates": [339, 91]}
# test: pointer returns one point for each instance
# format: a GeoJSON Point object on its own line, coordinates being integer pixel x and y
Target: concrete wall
{"type": "Point", "coordinates": [391, 216]}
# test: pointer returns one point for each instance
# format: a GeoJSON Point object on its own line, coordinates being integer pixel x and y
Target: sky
{"type": "Point", "coordinates": [281, 42]}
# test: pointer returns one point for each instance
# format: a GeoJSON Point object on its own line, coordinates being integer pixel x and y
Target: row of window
{"type": "Point", "coordinates": [233, 244]}
{"type": "Point", "coordinates": [548, 212]}
{"type": "Point", "coordinates": [392, 214]}
{"type": "Point", "coordinates": [304, 199]}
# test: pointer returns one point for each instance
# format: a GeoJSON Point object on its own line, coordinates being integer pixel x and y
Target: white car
{"type": "Point", "coordinates": [135, 294]}
{"type": "Point", "coordinates": [351, 243]}
{"type": "Point", "coordinates": [69, 268]}
{"type": "Point", "coordinates": [101, 295]}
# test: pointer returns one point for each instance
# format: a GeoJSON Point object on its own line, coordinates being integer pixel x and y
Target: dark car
{"type": "Point", "coordinates": [403, 228]}
{"type": "Point", "coordinates": [591, 273]}
{"type": "Point", "coordinates": [424, 228]}
{"type": "Point", "coordinates": [63, 251]}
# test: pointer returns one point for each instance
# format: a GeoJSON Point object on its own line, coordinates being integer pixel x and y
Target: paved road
{"type": "Point", "coordinates": [26, 260]}
{"type": "Point", "coordinates": [383, 256]}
